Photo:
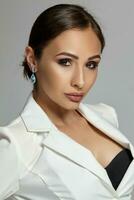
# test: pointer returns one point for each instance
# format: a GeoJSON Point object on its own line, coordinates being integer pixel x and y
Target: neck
{"type": "Point", "coordinates": [58, 115]}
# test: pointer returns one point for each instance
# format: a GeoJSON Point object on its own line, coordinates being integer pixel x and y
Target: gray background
{"type": "Point", "coordinates": [114, 85]}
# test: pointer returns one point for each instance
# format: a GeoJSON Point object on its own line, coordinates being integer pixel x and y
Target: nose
{"type": "Point", "coordinates": [78, 78]}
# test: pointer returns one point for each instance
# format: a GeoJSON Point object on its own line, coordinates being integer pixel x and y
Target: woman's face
{"type": "Point", "coordinates": [68, 65]}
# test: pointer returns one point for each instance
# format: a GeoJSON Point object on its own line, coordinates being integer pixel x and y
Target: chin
{"type": "Point", "coordinates": [72, 105]}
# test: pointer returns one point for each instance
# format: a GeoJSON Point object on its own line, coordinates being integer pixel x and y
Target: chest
{"type": "Point", "coordinates": [103, 148]}
{"type": "Point", "coordinates": [64, 170]}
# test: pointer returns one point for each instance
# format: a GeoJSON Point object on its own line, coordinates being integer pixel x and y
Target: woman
{"type": "Point", "coordinates": [59, 147]}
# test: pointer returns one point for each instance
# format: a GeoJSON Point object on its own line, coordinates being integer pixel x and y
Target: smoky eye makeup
{"type": "Point", "coordinates": [64, 61]}
{"type": "Point", "coordinates": [92, 64]}
{"type": "Point", "coordinates": [68, 61]}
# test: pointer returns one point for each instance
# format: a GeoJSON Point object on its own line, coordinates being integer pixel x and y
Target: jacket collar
{"type": "Point", "coordinates": [36, 120]}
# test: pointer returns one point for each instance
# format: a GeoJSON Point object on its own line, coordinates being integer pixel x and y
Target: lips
{"type": "Point", "coordinates": [74, 97]}
{"type": "Point", "coordinates": [75, 94]}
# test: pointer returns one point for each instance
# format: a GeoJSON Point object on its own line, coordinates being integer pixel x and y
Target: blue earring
{"type": "Point", "coordinates": [33, 77]}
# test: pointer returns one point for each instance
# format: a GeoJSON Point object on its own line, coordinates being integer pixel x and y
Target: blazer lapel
{"type": "Point", "coordinates": [36, 120]}
{"type": "Point", "coordinates": [103, 125]}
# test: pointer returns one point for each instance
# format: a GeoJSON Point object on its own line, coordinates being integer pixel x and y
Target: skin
{"type": "Point", "coordinates": [76, 75]}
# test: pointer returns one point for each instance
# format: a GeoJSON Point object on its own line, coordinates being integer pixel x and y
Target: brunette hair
{"type": "Point", "coordinates": [53, 21]}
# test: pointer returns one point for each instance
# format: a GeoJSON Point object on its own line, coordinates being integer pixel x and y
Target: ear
{"type": "Point", "coordinates": [30, 57]}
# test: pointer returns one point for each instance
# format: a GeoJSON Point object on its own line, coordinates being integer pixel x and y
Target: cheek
{"type": "Point", "coordinates": [95, 75]}
{"type": "Point", "coordinates": [52, 77]}
{"type": "Point", "coordinates": [91, 79]}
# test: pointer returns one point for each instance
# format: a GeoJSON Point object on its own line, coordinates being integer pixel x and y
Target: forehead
{"type": "Point", "coordinates": [75, 40]}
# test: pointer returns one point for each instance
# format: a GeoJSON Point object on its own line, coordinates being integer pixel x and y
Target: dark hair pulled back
{"type": "Point", "coordinates": [52, 22]}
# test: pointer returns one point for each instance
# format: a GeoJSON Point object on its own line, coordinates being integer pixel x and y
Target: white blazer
{"type": "Point", "coordinates": [39, 162]}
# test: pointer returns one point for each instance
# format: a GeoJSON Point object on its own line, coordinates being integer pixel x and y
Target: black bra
{"type": "Point", "coordinates": [117, 167]}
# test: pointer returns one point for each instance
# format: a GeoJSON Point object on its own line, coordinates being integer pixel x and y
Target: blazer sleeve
{"type": "Point", "coordinates": [8, 165]}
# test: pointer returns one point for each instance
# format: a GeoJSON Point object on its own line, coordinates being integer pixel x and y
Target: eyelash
{"type": "Point", "coordinates": [65, 60]}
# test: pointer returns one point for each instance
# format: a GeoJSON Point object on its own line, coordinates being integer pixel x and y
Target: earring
{"type": "Point", "coordinates": [33, 77]}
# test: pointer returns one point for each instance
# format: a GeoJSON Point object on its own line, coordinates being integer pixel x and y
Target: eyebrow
{"type": "Point", "coordinates": [76, 57]}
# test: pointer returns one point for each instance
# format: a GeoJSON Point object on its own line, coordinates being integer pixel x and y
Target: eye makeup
{"type": "Point", "coordinates": [67, 62]}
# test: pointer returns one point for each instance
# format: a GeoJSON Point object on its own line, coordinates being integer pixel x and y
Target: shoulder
{"type": "Point", "coordinates": [8, 147]}
{"type": "Point", "coordinates": [6, 134]}
{"type": "Point", "coordinates": [105, 111]}
{"type": "Point", "coordinates": [8, 156]}
{"type": "Point", "coordinates": [11, 131]}
{"type": "Point", "coordinates": [24, 145]}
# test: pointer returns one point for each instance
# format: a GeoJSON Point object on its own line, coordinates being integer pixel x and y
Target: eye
{"type": "Point", "coordinates": [64, 61]}
{"type": "Point", "coordinates": [92, 64]}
